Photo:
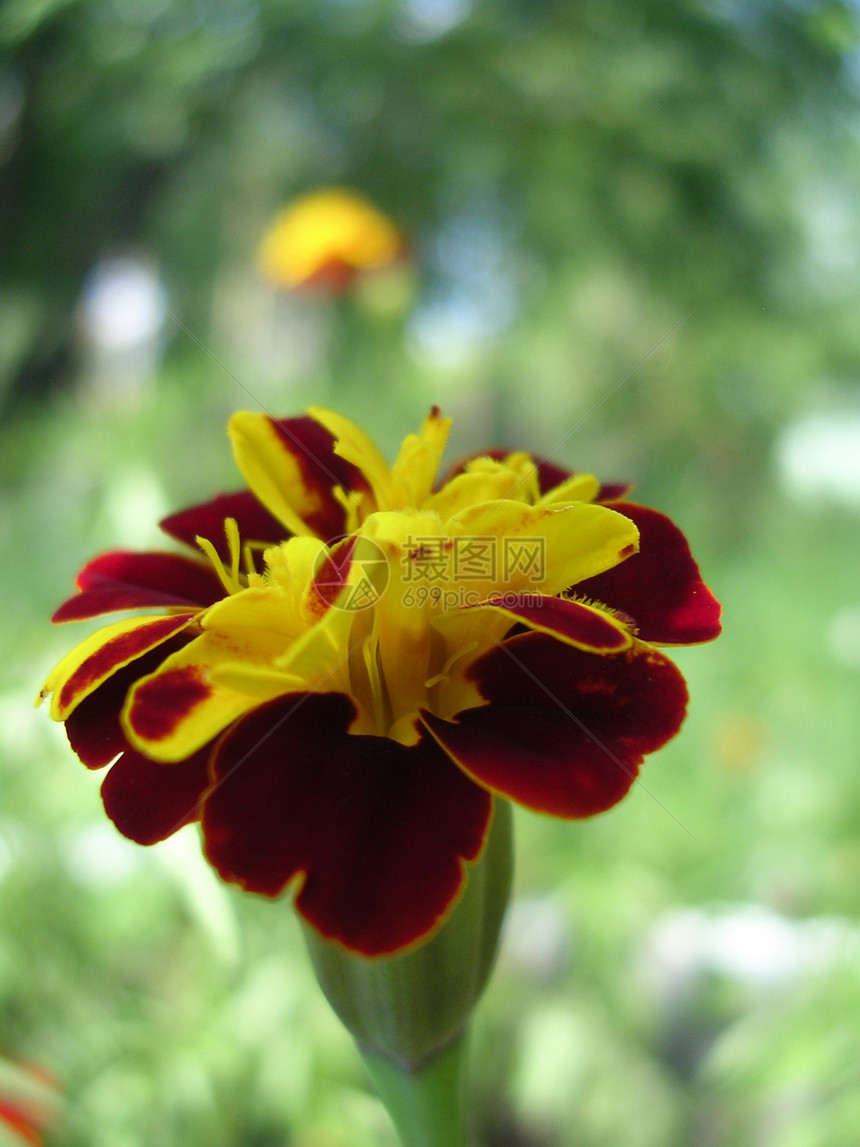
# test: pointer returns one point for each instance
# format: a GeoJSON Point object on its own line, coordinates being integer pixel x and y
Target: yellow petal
{"type": "Point", "coordinates": [414, 471]}
{"type": "Point", "coordinates": [467, 635]}
{"type": "Point", "coordinates": [577, 488]}
{"type": "Point", "coordinates": [475, 487]}
{"type": "Point", "coordinates": [281, 601]}
{"type": "Point", "coordinates": [403, 613]}
{"type": "Point", "coordinates": [272, 611]}
{"type": "Point", "coordinates": [352, 444]}
{"type": "Point", "coordinates": [319, 659]}
{"type": "Point", "coordinates": [545, 549]}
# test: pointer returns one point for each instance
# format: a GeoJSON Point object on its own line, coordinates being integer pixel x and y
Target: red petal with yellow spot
{"type": "Point", "coordinates": [148, 801]}
{"type": "Point", "coordinates": [660, 587]}
{"type": "Point", "coordinates": [122, 580]}
{"type": "Point", "coordinates": [377, 831]}
{"type": "Point", "coordinates": [564, 732]}
{"type": "Point", "coordinates": [255, 523]}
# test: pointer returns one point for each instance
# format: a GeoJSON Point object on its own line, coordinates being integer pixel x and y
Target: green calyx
{"type": "Point", "coordinates": [409, 1008]}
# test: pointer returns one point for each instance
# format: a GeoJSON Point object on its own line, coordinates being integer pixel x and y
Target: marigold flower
{"type": "Point", "coordinates": [325, 239]}
{"type": "Point", "coordinates": [363, 657]}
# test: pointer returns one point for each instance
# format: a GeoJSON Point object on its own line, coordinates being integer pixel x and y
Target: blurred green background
{"type": "Point", "coordinates": [634, 243]}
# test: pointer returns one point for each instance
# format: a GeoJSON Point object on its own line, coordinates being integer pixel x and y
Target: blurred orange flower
{"type": "Point", "coordinates": [327, 238]}
{"type": "Point", "coordinates": [28, 1103]}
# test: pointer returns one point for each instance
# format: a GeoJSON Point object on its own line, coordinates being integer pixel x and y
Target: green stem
{"type": "Point", "coordinates": [426, 1105]}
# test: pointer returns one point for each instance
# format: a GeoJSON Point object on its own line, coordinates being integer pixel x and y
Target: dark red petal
{"type": "Point", "coordinates": [255, 522]}
{"type": "Point", "coordinates": [612, 491]}
{"type": "Point", "coordinates": [550, 475]}
{"type": "Point", "coordinates": [660, 587]}
{"type": "Point", "coordinates": [312, 447]}
{"type": "Point", "coordinates": [564, 731]}
{"type": "Point", "coordinates": [568, 620]}
{"type": "Point", "coordinates": [93, 728]}
{"type": "Point", "coordinates": [122, 580]}
{"type": "Point", "coordinates": [378, 831]}
{"type": "Point", "coordinates": [122, 649]}
{"type": "Point", "coordinates": [148, 801]}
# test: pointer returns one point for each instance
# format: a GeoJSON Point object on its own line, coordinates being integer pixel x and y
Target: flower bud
{"type": "Point", "coordinates": [410, 1006]}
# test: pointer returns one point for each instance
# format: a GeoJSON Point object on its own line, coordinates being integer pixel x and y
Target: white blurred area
{"type": "Point", "coordinates": [749, 944]}
{"type": "Point", "coordinates": [425, 20]}
{"type": "Point", "coordinates": [537, 941]}
{"type": "Point", "coordinates": [121, 322]}
{"type": "Point", "coordinates": [818, 457]}
{"type": "Point", "coordinates": [843, 636]}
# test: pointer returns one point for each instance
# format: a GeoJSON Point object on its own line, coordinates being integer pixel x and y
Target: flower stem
{"type": "Point", "coordinates": [425, 1105]}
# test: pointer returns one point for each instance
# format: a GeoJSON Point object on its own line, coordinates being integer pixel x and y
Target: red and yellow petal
{"type": "Point", "coordinates": [192, 697]}
{"type": "Point", "coordinates": [357, 450]}
{"type": "Point", "coordinates": [291, 466]}
{"type": "Point", "coordinates": [123, 580]}
{"type": "Point", "coordinates": [563, 732]}
{"type": "Point", "coordinates": [93, 728]}
{"type": "Point", "coordinates": [660, 587]}
{"type": "Point", "coordinates": [573, 622]}
{"type": "Point", "coordinates": [149, 801]}
{"type": "Point", "coordinates": [375, 834]}
{"type": "Point", "coordinates": [93, 661]}
{"type": "Point", "coordinates": [256, 525]}
{"type": "Point", "coordinates": [550, 476]}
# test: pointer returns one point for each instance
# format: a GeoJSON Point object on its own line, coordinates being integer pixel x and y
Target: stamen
{"type": "Point", "coordinates": [353, 504]}
{"type": "Point", "coordinates": [231, 529]}
{"type": "Point", "coordinates": [232, 580]}
{"type": "Point", "coordinates": [381, 704]}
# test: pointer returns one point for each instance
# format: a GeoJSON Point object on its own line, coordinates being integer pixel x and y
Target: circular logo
{"type": "Point", "coordinates": [351, 573]}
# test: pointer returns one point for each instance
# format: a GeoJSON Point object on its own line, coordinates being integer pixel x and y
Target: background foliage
{"type": "Point", "coordinates": [633, 237]}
